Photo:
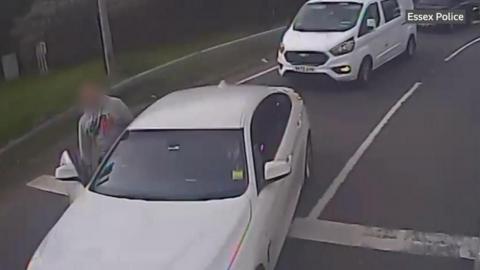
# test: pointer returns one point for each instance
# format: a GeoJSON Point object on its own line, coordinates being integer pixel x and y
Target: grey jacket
{"type": "Point", "coordinates": [98, 130]}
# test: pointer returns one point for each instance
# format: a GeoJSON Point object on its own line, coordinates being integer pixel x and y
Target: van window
{"type": "Point", "coordinates": [372, 12]}
{"type": "Point", "coordinates": [391, 9]}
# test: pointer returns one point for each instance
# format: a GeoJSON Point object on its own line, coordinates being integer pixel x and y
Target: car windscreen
{"type": "Point", "coordinates": [327, 16]}
{"type": "Point", "coordinates": [175, 165]}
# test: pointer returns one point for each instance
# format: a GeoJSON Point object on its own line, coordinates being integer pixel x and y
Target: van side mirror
{"type": "Point", "coordinates": [371, 24]}
{"type": "Point", "coordinates": [275, 170]}
{"type": "Point", "coordinates": [66, 170]}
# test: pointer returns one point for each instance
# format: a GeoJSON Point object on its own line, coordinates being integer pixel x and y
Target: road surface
{"type": "Point", "coordinates": [396, 178]}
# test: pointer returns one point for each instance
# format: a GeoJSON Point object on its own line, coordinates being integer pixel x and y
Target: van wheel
{"type": "Point", "coordinates": [365, 71]}
{"type": "Point", "coordinates": [411, 47]}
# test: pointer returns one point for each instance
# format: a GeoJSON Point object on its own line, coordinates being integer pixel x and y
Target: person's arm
{"type": "Point", "coordinates": [85, 144]}
{"type": "Point", "coordinates": [124, 116]}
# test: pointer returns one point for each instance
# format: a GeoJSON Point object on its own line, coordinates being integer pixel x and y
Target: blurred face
{"type": "Point", "coordinates": [90, 95]}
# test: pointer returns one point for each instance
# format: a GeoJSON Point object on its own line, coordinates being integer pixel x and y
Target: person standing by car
{"type": "Point", "coordinates": [104, 119]}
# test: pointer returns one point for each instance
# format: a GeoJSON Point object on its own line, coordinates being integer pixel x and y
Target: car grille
{"type": "Point", "coordinates": [306, 58]}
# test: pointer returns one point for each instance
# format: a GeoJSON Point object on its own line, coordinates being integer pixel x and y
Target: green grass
{"type": "Point", "coordinates": [134, 62]}
{"type": "Point", "coordinates": [29, 101]}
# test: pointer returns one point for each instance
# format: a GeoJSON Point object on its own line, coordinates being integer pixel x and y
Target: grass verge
{"type": "Point", "coordinates": [28, 102]}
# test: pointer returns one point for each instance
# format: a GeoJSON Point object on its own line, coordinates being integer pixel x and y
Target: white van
{"type": "Point", "coordinates": [347, 39]}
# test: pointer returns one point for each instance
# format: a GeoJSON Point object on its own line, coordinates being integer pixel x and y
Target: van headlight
{"type": "Point", "coordinates": [343, 48]}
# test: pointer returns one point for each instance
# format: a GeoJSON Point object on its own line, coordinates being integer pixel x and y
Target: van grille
{"type": "Point", "coordinates": [306, 58]}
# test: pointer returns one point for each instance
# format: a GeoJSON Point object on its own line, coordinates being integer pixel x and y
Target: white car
{"type": "Point", "coordinates": [347, 39]}
{"type": "Point", "coordinates": [204, 179]}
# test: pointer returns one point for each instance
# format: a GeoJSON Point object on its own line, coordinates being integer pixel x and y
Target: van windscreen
{"type": "Point", "coordinates": [327, 17]}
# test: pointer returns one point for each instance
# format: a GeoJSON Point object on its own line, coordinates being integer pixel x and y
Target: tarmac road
{"type": "Point", "coordinates": [375, 182]}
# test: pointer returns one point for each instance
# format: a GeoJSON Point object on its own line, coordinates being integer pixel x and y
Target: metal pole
{"type": "Point", "coordinates": [108, 53]}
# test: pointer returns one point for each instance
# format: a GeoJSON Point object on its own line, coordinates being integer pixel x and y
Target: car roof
{"type": "Point", "coordinates": [211, 107]}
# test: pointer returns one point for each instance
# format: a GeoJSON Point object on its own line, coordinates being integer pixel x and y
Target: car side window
{"type": "Point", "coordinates": [269, 123]}
{"type": "Point", "coordinates": [372, 12]}
{"type": "Point", "coordinates": [391, 9]}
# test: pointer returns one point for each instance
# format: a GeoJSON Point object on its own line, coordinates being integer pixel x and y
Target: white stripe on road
{"type": "Point", "coordinates": [406, 241]}
{"type": "Point", "coordinates": [48, 183]}
{"type": "Point", "coordinates": [257, 75]}
{"type": "Point", "coordinates": [242, 39]}
{"type": "Point", "coordinates": [461, 49]}
{"type": "Point", "coordinates": [186, 57]}
{"type": "Point", "coordinates": [342, 176]}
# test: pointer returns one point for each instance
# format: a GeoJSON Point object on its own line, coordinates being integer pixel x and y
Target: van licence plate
{"type": "Point", "coordinates": [305, 69]}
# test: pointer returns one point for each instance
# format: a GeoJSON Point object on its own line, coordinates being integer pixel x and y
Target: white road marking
{"type": "Point", "coordinates": [461, 49]}
{"type": "Point", "coordinates": [242, 39]}
{"type": "Point", "coordinates": [48, 183]}
{"type": "Point", "coordinates": [406, 241]}
{"type": "Point", "coordinates": [342, 176]}
{"type": "Point", "coordinates": [188, 56]}
{"type": "Point", "coordinates": [260, 74]}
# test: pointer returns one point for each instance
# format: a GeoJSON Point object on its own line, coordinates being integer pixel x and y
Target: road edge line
{"type": "Point", "coordinates": [461, 49]}
{"type": "Point", "coordinates": [353, 160]}
{"type": "Point", "coordinates": [257, 75]}
{"type": "Point", "coordinates": [188, 56]}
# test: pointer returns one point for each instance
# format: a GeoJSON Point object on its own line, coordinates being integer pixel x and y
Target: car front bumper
{"type": "Point", "coordinates": [336, 67]}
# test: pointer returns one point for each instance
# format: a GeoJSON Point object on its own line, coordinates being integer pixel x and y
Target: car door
{"type": "Point", "coordinates": [395, 35]}
{"type": "Point", "coordinates": [372, 40]}
{"type": "Point", "coordinates": [268, 133]}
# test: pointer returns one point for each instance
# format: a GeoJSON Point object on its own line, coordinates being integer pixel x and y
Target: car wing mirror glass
{"type": "Point", "coordinates": [275, 170]}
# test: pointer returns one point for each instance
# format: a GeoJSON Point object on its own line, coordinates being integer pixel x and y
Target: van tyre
{"type": "Point", "coordinates": [365, 71]}
{"type": "Point", "coordinates": [411, 47]}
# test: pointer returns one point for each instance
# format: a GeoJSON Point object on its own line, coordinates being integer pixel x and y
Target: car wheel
{"type": "Point", "coordinates": [365, 71]}
{"type": "Point", "coordinates": [411, 47]}
{"type": "Point", "coordinates": [309, 159]}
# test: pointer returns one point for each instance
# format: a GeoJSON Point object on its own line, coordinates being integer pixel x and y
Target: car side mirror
{"type": "Point", "coordinates": [66, 170]}
{"type": "Point", "coordinates": [371, 24]}
{"type": "Point", "coordinates": [275, 170]}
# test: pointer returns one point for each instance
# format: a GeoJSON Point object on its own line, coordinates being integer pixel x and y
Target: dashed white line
{"type": "Point", "coordinates": [406, 241]}
{"type": "Point", "coordinates": [260, 74]}
{"type": "Point", "coordinates": [181, 59]}
{"type": "Point", "coordinates": [49, 184]}
{"type": "Point", "coordinates": [342, 176]}
{"type": "Point", "coordinates": [461, 49]}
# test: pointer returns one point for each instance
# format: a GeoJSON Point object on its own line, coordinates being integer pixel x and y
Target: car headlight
{"type": "Point", "coordinates": [281, 50]}
{"type": "Point", "coordinates": [343, 48]}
